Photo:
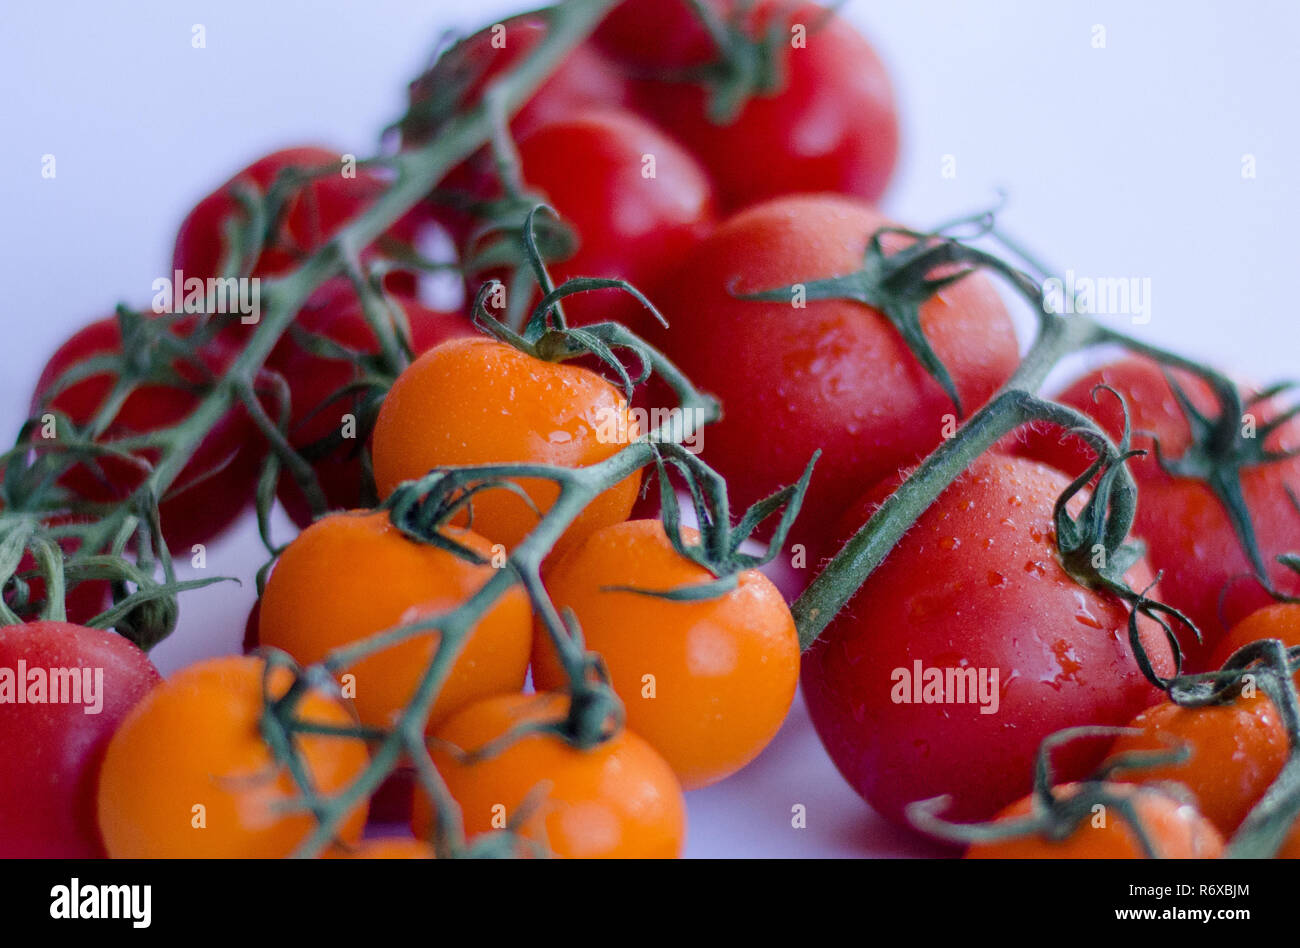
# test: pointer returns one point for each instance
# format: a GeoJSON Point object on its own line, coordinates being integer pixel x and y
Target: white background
{"type": "Point", "coordinates": [1122, 161]}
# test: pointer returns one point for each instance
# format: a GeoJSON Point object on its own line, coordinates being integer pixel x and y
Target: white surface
{"type": "Point", "coordinates": [1122, 161]}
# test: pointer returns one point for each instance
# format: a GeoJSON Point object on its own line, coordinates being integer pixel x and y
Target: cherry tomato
{"type": "Point", "coordinates": [315, 382]}
{"type": "Point", "coordinates": [974, 590]}
{"type": "Point", "coordinates": [76, 686]}
{"type": "Point", "coordinates": [213, 488]}
{"type": "Point", "coordinates": [617, 800]}
{"type": "Point", "coordinates": [311, 216]}
{"type": "Point", "coordinates": [351, 575]}
{"type": "Point", "coordinates": [1278, 621]}
{"type": "Point", "coordinates": [706, 683]}
{"type": "Point", "coordinates": [834, 376]}
{"type": "Point", "coordinates": [1190, 540]}
{"type": "Point", "coordinates": [830, 126]}
{"type": "Point", "coordinates": [1237, 750]}
{"type": "Point", "coordinates": [478, 401]}
{"type": "Point", "coordinates": [637, 201]}
{"type": "Point", "coordinates": [1175, 829]}
{"type": "Point", "coordinates": [658, 34]}
{"type": "Point", "coordinates": [386, 847]}
{"type": "Point", "coordinates": [194, 742]}
{"type": "Point", "coordinates": [82, 601]}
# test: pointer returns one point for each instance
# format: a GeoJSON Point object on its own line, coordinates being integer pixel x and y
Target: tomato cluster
{"type": "Point", "coordinates": [679, 295]}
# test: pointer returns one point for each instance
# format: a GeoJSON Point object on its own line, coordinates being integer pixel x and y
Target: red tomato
{"type": "Point", "coordinates": [314, 379]}
{"type": "Point", "coordinates": [53, 751]}
{"type": "Point", "coordinates": [1278, 621]}
{"type": "Point", "coordinates": [831, 124]}
{"type": "Point", "coordinates": [975, 588]}
{"type": "Point", "coordinates": [637, 201]}
{"type": "Point", "coordinates": [1189, 537]}
{"type": "Point", "coordinates": [658, 34]}
{"type": "Point", "coordinates": [198, 507]}
{"type": "Point", "coordinates": [309, 219]}
{"type": "Point", "coordinates": [834, 376]}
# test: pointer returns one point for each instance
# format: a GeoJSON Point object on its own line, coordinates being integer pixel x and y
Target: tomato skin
{"type": "Point", "coordinates": [313, 379]}
{"type": "Point", "coordinates": [1189, 538]}
{"type": "Point", "coordinates": [591, 169]}
{"type": "Point", "coordinates": [1176, 831]}
{"type": "Point", "coordinates": [617, 800]}
{"type": "Point", "coordinates": [310, 218]}
{"type": "Point", "coordinates": [351, 575]}
{"type": "Point", "coordinates": [975, 583]}
{"type": "Point", "coordinates": [53, 751]}
{"type": "Point", "coordinates": [834, 376]}
{"type": "Point", "coordinates": [195, 739]}
{"type": "Point", "coordinates": [1237, 751]}
{"type": "Point", "coordinates": [657, 34]}
{"type": "Point", "coordinates": [1279, 621]}
{"type": "Point", "coordinates": [197, 508]}
{"type": "Point", "coordinates": [479, 401]}
{"type": "Point", "coordinates": [386, 847]}
{"type": "Point", "coordinates": [831, 127]}
{"type": "Point", "coordinates": [725, 669]}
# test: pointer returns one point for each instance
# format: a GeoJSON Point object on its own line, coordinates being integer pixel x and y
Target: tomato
{"type": "Point", "coordinates": [617, 800]}
{"type": "Point", "coordinates": [1175, 830]}
{"type": "Point", "coordinates": [658, 34]}
{"type": "Point", "coordinates": [197, 507]}
{"type": "Point", "coordinates": [834, 376]}
{"type": "Point", "coordinates": [315, 380]}
{"type": "Point", "coordinates": [386, 847]}
{"type": "Point", "coordinates": [1237, 750]}
{"type": "Point", "coordinates": [194, 741]}
{"type": "Point", "coordinates": [351, 575]}
{"type": "Point", "coordinates": [53, 748]}
{"type": "Point", "coordinates": [479, 401]}
{"type": "Point", "coordinates": [830, 125]}
{"type": "Point", "coordinates": [722, 671]}
{"type": "Point", "coordinates": [311, 215]}
{"type": "Point", "coordinates": [637, 201]}
{"type": "Point", "coordinates": [1278, 621]}
{"type": "Point", "coordinates": [1190, 540]}
{"type": "Point", "coordinates": [976, 594]}
{"type": "Point", "coordinates": [82, 601]}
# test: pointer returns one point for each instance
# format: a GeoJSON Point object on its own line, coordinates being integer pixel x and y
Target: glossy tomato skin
{"type": "Point", "coordinates": [197, 508]}
{"type": "Point", "coordinates": [1190, 540]}
{"type": "Point", "coordinates": [637, 201]}
{"type": "Point", "coordinates": [724, 670]}
{"type": "Point", "coordinates": [195, 740]}
{"type": "Point", "coordinates": [314, 381]}
{"type": "Point", "coordinates": [479, 401]}
{"type": "Point", "coordinates": [617, 800]}
{"type": "Point", "coordinates": [352, 575]}
{"type": "Point", "coordinates": [1176, 831]}
{"type": "Point", "coordinates": [53, 751]}
{"type": "Point", "coordinates": [832, 125]}
{"type": "Point", "coordinates": [312, 215]}
{"type": "Point", "coordinates": [1237, 750]}
{"type": "Point", "coordinates": [1279, 621]}
{"type": "Point", "coordinates": [976, 583]}
{"type": "Point", "coordinates": [834, 376]}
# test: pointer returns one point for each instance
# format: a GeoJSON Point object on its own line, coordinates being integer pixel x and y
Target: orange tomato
{"type": "Point", "coordinates": [1237, 750]}
{"type": "Point", "coordinates": [1278, 621]}
{"type": "Point", "coordinates": [1176, 831]}
{"type": "Point", "coordinates": [479, 401]}
{"type": "Point", "coordinates": [194, 742]}
{"type": "Point", "coordinates": [619, 799]}
{"type": "Point", "coordinates": [385, 847]}
{"type": "Point", "coordinates": [351, 575]}
{"type": "Point", "coordinates": [707, 683]}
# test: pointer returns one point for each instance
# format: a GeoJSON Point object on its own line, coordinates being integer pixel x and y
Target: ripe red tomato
{"type": "Point", "coordinates": [975, 590]}
{"type": "Point", "coordinates": [834, 376]}
{"type": "Point", "coordinates": [314, 380]}
{"type": "Point", "coordinates": [658, 34]}
{"type": "Point", "coordinates": [721, 672]}
{"type": "Point", "coordinates": [197, 507]}
{"type": "Point", "coordinates": [831, 124]}
{"type": "Point", "coordinates": [1189, 537]}
{"type": "Point", "coordinates": [1175, 830]}
{"type": "Point", "coordinates": [636, 199]}
{"type": "Point", "coordinates": [311, 216]}
{"type": "Point", "coordinates": [1278, 621]}
{"type": "Point", "coordinates": [53, 750]}
{"type": "Point", "coordinates": [618, 800]}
